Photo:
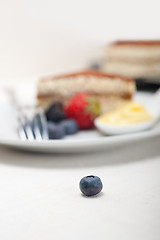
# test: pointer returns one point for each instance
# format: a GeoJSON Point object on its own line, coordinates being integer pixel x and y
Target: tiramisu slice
{"type": "Point", "coordinates": [110, 90]}
{"type": "Point", "coordinates": [136, 59]}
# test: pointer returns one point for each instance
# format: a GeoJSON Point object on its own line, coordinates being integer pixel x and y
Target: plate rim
{"type": "Point", "coordinates": [88, 142]}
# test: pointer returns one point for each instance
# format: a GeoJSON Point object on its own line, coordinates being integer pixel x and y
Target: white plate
{"type": "Point", "coordinates": [82, 142]}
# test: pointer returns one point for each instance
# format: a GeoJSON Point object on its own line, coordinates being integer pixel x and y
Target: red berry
{"type": "Point", "coordinates": [84, 109]}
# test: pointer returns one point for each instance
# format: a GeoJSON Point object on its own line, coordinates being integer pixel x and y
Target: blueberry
{"type": "Point", "coordinates": [55, 112]}
{"type": "Point", "coordinates": [55, 131]}
{"type": "Point", "coordinates": [70, 126]}
{"type": "Point", "coordinates": [90, 185]}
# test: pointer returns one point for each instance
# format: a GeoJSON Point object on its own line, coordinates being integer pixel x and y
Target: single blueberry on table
{"type": "Point", "coordinates": [70, 126]}
{"type": "Point", "coordinates": [55, 112]}
{"type": "Point", "coordinates": [90, 185]}
{"type": "Point", "coordinates": [55, 131]}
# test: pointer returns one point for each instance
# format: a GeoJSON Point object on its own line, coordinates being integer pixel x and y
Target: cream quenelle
{"type": "Point", "coordinates": [130, 113]}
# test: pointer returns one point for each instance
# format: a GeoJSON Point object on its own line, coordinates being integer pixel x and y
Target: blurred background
{"type": "Point", "coordinates": [44, 36]}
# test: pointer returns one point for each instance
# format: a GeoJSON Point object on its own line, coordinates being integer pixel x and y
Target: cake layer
{"type": "Point", "coordinates": [130, 50]}
{"type": "Point", "coordinates": [110, 90]}
{"type": "Point", "coordinates": [134, 70]}
{"type": "Point", "coordinates": [90, 81]}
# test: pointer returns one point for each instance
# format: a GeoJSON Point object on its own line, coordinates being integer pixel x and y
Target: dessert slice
{"type": "Point", "coordinates": [110, 90]}
{"type": "Point", "coordinates": [136, 59]}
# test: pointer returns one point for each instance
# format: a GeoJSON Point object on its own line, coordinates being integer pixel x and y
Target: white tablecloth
{"type": "Point", "coordinates": [40, 197]}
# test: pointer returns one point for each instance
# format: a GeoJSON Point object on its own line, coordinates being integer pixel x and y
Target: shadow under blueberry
{"type": "Point", "coordinates": [99, 195]}
{"type": "Point", "coordinates": [125, 154]}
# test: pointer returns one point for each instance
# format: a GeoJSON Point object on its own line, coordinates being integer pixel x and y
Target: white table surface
{"type": "Point", "coordinates": [40, 197]}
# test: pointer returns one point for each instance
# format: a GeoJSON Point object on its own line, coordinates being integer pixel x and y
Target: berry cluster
{"type": "Point", "coordinates": [57, 124]}
{"type": "Point", "coordinates": [79, 113]}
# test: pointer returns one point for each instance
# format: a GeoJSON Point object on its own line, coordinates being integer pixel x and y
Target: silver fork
{"type": "Point", "coordinates": [31, 121]}
{"type": "Point", "coordinates": [32, 128]}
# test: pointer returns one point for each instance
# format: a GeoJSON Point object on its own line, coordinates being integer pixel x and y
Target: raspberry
{"type": "Point", "coordinates": [84, 109]}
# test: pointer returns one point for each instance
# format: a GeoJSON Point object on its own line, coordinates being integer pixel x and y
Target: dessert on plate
{"type": "Point", "coordinates": [135, 59]}
{"type": "Point", "coordinates": [110, 90]}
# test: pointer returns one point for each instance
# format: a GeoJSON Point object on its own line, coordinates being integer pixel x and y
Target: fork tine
{"type": "Point", "coordinates": [43, 124]}
{"type": "Point", "coordinates": [21, 131]}
{"type": "Point", "coordinates": [36, 129]}
{"type": "Point", "coordinates": [28, 128]}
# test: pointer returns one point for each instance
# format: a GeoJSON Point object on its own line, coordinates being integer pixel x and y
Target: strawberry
{"type": "Point", "coordinates": [84, 109]}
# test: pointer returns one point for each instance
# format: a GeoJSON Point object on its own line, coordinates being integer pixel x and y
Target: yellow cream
{"type": "Point", "coordinates": [130, 113]}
